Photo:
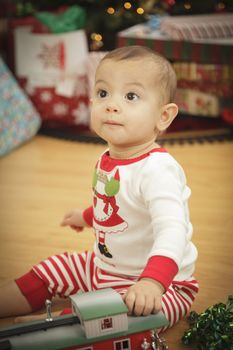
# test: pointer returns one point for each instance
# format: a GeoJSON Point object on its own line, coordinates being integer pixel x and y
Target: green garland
{"type": "Point", "coordinates": [212, 329]}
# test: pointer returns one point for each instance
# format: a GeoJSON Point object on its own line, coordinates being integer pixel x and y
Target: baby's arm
{"type": "Point", "coordinates": [77, 219]}
{"type": "Point", "coordinates": [167, 205]}
{"type": "Point", "coordinates": [145, 296]}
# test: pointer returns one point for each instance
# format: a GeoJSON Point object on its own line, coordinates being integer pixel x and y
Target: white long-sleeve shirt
{"type": "Point", "coordinates": [140, 211]}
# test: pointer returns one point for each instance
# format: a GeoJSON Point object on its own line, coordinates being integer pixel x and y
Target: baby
{"type": "Point", "coordinates": [140, 215]}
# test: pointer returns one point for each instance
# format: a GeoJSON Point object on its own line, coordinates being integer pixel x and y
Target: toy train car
{"type": "Point", "coordinates": [99, 321]}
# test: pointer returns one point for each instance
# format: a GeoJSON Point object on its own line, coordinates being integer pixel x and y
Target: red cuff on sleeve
{"type": "Point", "coordinates": [161, 269]}
{"type": "Point", "coordinates": [34, 289]}
{"type": "Point", "coordinates": [88, 216]}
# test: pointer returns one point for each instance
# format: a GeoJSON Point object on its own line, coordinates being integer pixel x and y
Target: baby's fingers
{"type": "Point", "coordinates": [139, 305]}
{"type": "Point", "coordinates": [129, 299]}
{"type": "Point", "coordinates": [149, 306]}
{"type": "Point", "coordinates": [157, 305]}
{"type": "Point", "coordinates": [76, 228]}
{"type": "Point", "coordinates": [65, 222]}
{"type": "Point", "coordinates": [66, 219]}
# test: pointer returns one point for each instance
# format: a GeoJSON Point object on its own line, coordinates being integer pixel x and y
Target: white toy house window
{"type": "Point", "coordinates": [123, 344]}
{"type": "Point", "coordinates": [106, 323]}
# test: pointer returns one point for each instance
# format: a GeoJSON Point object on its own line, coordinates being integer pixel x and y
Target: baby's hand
{"type": "Point", "coordinates": [144, 297]}
{"type": "Point", "coordinates": [74, 219]}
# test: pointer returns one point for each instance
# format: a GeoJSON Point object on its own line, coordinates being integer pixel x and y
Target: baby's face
{"type": "Point", "coordinates": [126, 102]}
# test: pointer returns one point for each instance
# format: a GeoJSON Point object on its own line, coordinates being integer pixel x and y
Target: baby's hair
{"type": "Point", "coordinates": [165, 74]}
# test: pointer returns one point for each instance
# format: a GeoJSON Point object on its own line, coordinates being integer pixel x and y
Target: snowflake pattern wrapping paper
{"type": "Point", "coordinates": [56, 78]}
{"type": "Point", "coordinates": [19, 121]}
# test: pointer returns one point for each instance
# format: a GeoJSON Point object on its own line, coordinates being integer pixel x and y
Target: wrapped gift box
{"type": "Point", "coordinates": [52, 70]}
{"type": "Point", "coordinates": [204, 26]}
{"type": "Point", "coordinates": [197, 103]}
{"type": "Point", "coordinates": [19, 121]}
{"type": "Point", "coordinates": [215, 51]}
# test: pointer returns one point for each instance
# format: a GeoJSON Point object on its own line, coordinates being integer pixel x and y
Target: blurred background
{"type": "Point", "coordinates": [106, 18]}
{"type": "Point", "coordinates": [52, 49]}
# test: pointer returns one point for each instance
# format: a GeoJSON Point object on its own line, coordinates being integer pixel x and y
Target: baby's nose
{"type": "Point", "coordinates": [112, 109]}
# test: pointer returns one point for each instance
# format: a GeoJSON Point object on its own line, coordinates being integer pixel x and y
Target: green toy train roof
{"type": "Point", "coordinates": [100, 303]}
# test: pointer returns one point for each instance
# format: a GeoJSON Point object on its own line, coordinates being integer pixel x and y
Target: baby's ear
{"type": "Point", "coordinates": [168, 114]}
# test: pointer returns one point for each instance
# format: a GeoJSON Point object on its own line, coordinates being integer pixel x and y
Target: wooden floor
{"type": "Point", "coordinates": [44, 178]}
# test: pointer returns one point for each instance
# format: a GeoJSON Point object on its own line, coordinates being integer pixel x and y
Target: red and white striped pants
{"type": "Point", "coordinates": [68, 274]}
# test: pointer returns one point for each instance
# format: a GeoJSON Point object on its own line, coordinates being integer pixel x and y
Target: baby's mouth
{"type": "Point", "coordinates": [112, 122]}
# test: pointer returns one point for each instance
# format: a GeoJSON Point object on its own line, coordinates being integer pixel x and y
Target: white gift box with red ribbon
{"type": "Point", "coordinates": [52, 70]}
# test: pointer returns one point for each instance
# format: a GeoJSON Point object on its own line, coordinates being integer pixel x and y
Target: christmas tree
{"type": "Point", "coordinates": [105, 18]}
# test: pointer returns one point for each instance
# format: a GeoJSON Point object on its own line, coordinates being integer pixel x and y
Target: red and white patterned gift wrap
{"type": "Point", "coordinates": [52, 70]}
{"type": "Point", "coordinates": [57, 110]}
{"type": "Point", "coordinates": [197, 103]}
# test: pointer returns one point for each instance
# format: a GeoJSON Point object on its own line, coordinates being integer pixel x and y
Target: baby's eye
{"type": "Point", "coordinates": [131, 96]}
{"type": "Point", "coordinates": [102, 93]}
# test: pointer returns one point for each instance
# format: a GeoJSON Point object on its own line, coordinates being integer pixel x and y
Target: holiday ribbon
{"type": "Point", "coordinates": [212, 329]}
{"type": "Point", "coordinates": [74, 18]}
{"type": "Point", "coordinates": [107, 201]}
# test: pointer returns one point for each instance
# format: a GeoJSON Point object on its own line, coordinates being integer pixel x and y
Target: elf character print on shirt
{"type": "Point", "coordinates": [106, 185]}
